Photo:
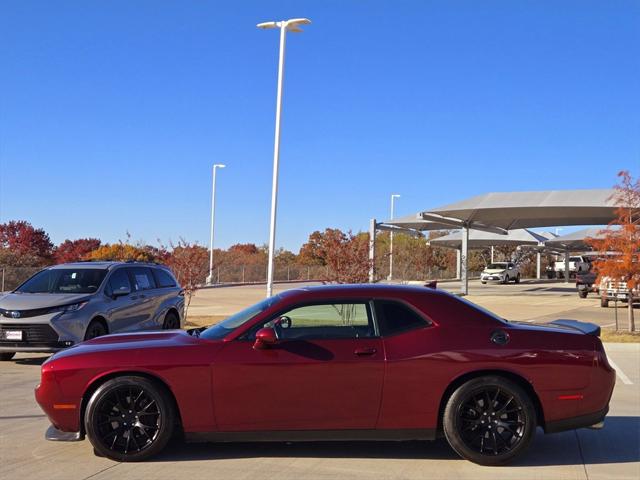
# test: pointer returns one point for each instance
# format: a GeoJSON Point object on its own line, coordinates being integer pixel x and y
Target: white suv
{"type": "Point", "coordinates": [502, 272]}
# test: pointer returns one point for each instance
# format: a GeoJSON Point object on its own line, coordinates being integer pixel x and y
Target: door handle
{"type": "Point", "coordinates": [365, 351]}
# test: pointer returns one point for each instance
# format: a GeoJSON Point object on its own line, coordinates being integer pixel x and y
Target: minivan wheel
{"type": "Point", "coordinates": [129, 419]}
{"type": "Point", "coordinates": [171, 321]}
{"type": "Point", "coordinates": [489, 420]}
{"type": "Point", "coordinates": [518, 278]}
{"type": "Point", "coordinates": [95, 329]}
{"type": "Point", "coordinates": [6, 356]}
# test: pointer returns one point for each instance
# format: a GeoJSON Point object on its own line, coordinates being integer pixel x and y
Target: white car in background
{"type": "Point", "coordinates": [502, 272]}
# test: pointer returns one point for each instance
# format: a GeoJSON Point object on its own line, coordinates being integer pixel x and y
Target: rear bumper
{"type": "Point", "coordinates": [582, 421]}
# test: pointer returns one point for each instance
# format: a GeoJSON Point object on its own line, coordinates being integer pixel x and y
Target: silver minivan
{"type": "Point", "coordinates": [67, 304]}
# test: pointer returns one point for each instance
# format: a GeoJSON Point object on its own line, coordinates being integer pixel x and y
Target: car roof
{"type": "Point", "coordinates": [102, 265]}
{"type": "Point", "coordinates": [361, 289]}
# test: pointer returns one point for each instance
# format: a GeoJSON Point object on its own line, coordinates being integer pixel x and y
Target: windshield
{"type": "Point", "coordinates": [497, 266]}
{"type": "Point", "coordinates": [220, 330]}
{"type": "Point", "coordinates": [64, 280]}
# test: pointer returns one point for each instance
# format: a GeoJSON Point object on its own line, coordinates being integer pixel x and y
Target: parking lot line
{"type": "Point", "coordinates": [619, 372]}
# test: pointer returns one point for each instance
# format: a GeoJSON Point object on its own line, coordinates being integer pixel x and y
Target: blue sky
{"type": "Point", "coordinates": [112, 113]}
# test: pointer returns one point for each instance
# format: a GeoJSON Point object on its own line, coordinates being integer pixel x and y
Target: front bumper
{"type": "Point", "coordinates": [55, 435]}
{"type": "Point", "coordinates": [34, 337]}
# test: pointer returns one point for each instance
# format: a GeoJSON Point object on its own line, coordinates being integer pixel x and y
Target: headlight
{"type": "Point", "coordinates": [68, 308]}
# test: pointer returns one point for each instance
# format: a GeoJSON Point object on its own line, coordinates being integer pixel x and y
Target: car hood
{"type": "Point", "coordinates": [137, 342]}
{"type": "Point", "coordinates": [493, 270]}
{"type": "Point", "coordinates": [33, 301]}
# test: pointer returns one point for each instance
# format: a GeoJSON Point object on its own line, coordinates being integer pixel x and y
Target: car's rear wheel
{"type": "Point", "coordinates": [95, 329]}
{"type": "Point", "coordinates": [489, 420]}
{"type": "Point", "coordinates": [6, 356]}
{"type": "Point", "coordinates": [171, 321]}
{"type": "Point", "coordinates": [518, 278]}
{"type": "Point", "coordinates": [583, 293]}
{"type": "Point", "coordinates": [604, 302]}
{"type": "Point", "coordinates": [129, 419]}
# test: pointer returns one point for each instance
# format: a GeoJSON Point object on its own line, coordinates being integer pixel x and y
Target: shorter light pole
{"type": "Point", "coordinates": [213, 216]}
{"type": "Point", "coordinates": [393, 197]}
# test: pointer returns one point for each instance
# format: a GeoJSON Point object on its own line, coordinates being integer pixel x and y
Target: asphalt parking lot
{"type": "Point", "coordinates": [613, 452]}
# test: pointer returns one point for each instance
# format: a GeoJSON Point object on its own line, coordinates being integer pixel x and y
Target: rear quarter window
{"type": "Point", "coordinates": [396, 317]}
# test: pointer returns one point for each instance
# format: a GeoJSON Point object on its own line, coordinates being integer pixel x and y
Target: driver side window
{"type": "Point", "coordinates": [325, 321]}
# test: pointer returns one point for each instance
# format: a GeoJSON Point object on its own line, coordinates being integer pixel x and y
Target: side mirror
{"type": "Point", "coordinates": [265, 337]}
{"type": "Point", "coordinates": [121, 292]}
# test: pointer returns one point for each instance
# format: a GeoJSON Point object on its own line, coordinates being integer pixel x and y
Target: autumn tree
{"type": "Point", "coordinates": [75, 250]}
{"type": "Point", "coordinates": [623, 237]}
{"type": "Point", "coordinates": [190, 264]}
{"type": "Point", "coordinates": [125, 252]}
{"type": "Point", "coordinates": [21, 238]}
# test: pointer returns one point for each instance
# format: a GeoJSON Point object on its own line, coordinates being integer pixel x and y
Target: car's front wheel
{"type": "Point", "coordinates": [171, 321]}
{"type": "Point", "coordinates": [129, 419]}
{"type": "Point", "coordinates": [95, 329]}
{"type": "Point", "coordinates": [489, 420]}
{"type": "Point", "coordinates": [6, 356]}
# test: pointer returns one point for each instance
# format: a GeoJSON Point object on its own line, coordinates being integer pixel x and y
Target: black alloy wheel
{"type": "Point", "coordinates": [95, 329]}
{"type": "Point", "coordinates": [171, 321]}
{"type": "Point", "coordinates": [6, 356]}
{"type": "Point", "coordinates": [489, 420]}
{"type": "Point", "coordinates": [129, 419]}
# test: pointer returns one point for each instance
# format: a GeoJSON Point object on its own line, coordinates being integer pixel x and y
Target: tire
{"type": "Point", "coordinates": [583, 293]}
{"type": "Point", "coordinates": [129, 440]}
{"type": "Point", "coordinates": [171, 321]}
{"type": "Point", "coordinates": [484, 283]}
{"type": "Point", "coordinates": [95, 329]}
{"type": "Point", "coordinates": [6, 356]}
{"type": "Point", "coordinates": [473, 404]}
{"type": "Point", "coordinates": [506, 279]}
{"type": "Point", "coordinates": [604, 302]}
{"type": "Point", "coordinates": [518, 278]}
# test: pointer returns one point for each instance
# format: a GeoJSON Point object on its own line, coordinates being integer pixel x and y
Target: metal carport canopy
{"type": "Point", "coordinates": [575, 240]}
{"type": "Point", "coordinates": [509, 210]}
{"type": "Point", "coordinates": [500, 212]}
{"type": "Point", "coordinates": [480, 239]}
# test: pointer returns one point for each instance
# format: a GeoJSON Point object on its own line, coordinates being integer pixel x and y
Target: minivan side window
{"type": "Point", "coordinates": [395, 317]}
{"type": "Point", "coordinates": [142, 278]}
{"type": "Point", "coordinates": [163, 278]}
{"type": "Point", "coordinates": [118, 281]}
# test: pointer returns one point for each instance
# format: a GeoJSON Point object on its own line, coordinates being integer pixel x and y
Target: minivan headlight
{"type": "Point", "coordinates": [68, 308]}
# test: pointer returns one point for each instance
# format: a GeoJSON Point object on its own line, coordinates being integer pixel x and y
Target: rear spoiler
{"type": "Point", "coordinates": [584, 327]}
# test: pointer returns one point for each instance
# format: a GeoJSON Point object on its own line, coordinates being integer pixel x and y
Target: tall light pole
{"type": "Point", "coordinates": [292, 25]}
{"type": "Point", "coordinates": [393, 197]}
{"type": "Point", "coordinates": [213, 216]}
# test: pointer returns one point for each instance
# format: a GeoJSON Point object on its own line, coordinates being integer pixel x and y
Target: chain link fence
{"type": "Point", "coordinates": [226, 274]}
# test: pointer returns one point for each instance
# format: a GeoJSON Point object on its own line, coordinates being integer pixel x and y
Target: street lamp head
{"type": "Point", "coordinates": [395, 195]}
{"type": "Point", "coordinates": [267, 25]}
{"type": "Point", "coordinates": [218, 165]}
{"type": "Point", "coordinates": [292, 25]}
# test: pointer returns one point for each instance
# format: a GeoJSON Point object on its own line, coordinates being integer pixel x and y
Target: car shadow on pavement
{"type": "Point", "coordinates": [618, 442]}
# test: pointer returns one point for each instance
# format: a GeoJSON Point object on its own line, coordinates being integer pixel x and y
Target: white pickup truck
{"type": "Point", "coordinates": [577, 264]}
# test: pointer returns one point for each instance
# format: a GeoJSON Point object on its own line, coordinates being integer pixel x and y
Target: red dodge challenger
{"type": "Point", "coordinates": [363, 362]}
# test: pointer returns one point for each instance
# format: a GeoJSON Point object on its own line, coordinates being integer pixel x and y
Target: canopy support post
{"type": "Point", "coordinates": [464, 274]}
{"type": "Point", "coordinates": [491, 253]}
{"type": "Point", "coordinates": [567, 270]}
{"type": "Point", "coordinates": [538, 265]}
{"type": "Point", "coordinates": [458, 263]}
{"type": "Point", "coordinates": [372, 250]}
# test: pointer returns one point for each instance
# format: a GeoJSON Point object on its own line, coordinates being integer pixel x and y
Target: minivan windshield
{"type": "Point", "coordinates": [220, 330]}
{"type": "Point", "coordinates": [64, 280]}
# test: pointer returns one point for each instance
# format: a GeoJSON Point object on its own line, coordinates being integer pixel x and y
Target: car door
{"type": "Point", "coordinates": [325, 372]}
{"type": "Point", "coordinates": [122, 304]}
